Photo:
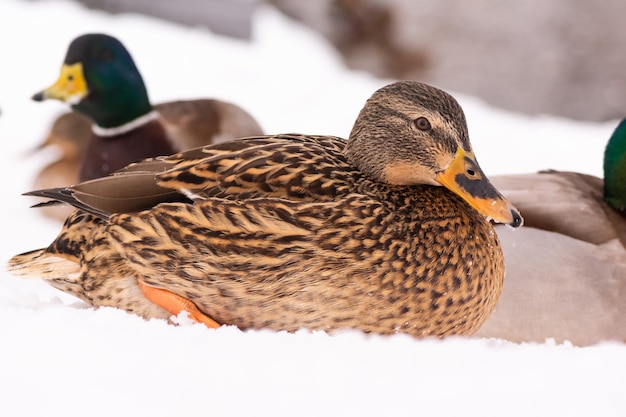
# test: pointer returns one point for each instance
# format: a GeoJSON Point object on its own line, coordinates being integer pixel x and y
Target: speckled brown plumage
{"type": "Point", "coordinates": [287, 231]}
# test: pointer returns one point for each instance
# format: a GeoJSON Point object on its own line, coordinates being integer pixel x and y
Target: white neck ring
{"type": "Point", "coordinates": [126, 127]}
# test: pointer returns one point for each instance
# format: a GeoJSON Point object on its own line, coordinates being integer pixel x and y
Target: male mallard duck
{"type": "Point", "coordinates": [295, 231]}
{"type": "Point", "coordinates": [100, 80]}
{"type": "Point", "coordinates": [566, 271]}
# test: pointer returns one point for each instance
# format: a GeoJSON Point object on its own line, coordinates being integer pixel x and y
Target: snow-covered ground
{"type": "Point", "coordinates": [59, 357]}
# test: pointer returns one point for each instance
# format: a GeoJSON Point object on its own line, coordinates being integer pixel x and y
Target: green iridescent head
{"type": "Point", "coordinates": [100, 80]}
{"type": "Point", "coordinates": [615, 169]}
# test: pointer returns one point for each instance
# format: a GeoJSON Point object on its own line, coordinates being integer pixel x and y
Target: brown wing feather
{"type": "Point", "coordinates": [293, 167]}
{"type": "Point", "coordinates": [124, 193]}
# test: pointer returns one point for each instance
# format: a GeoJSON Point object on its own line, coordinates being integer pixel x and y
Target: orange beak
{"type": "Point", "coordinates": [465, 178]}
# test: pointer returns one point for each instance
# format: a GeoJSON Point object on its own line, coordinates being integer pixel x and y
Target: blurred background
{"type": "Point", "coordinates": [557, 57]}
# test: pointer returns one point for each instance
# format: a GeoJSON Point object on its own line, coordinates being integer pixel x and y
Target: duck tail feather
{"type": "Point", "coordinates": [43, 265]}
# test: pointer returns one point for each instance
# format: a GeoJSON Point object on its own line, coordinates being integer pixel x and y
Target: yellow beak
{"type": "Point", "coordinates": [465, 178]}
{"type": "Point", "coordinates": [70, 87]}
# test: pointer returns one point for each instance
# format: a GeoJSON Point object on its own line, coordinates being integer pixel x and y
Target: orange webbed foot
{"type": "Point", "coordinates": [174, 304]}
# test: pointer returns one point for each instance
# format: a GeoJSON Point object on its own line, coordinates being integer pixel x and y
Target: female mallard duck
{"type": "Point", "coordinates": [100, 80]}
{"type": "Point", "coordinates": [67, 134]}
{"type": "Point", "coordinates": [566, 271]}
{"type": "Point", "coordinates": [293, 231]}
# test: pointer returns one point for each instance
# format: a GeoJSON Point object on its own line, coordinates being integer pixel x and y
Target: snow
{"type": "Point", "coordinates": [58, 356]}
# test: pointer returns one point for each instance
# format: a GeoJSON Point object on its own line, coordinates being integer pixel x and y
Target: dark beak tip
{"type": "Point", "coordinates": [38, 96]}
{"type": "Point", "coordinates": [518, 220]}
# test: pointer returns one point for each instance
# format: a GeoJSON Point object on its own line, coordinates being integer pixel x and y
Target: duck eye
{"type": "Point", "coordinates": [422, 123]}
{"type": "Point", "coordinates": [70, 77]}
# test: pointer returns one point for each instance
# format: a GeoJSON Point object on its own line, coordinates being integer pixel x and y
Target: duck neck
{"type": "Point", "coordinates": [107, 132]}
{"type": "Point", "coordinates": [615, 169]}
